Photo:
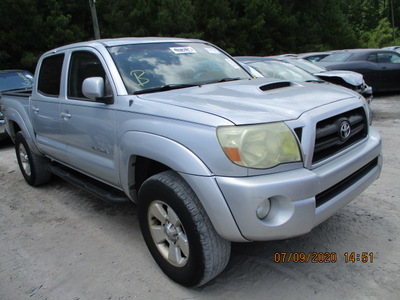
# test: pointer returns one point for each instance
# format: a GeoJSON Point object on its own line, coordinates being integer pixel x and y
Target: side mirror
{"type": "Point", "coordinates": [93, 87]}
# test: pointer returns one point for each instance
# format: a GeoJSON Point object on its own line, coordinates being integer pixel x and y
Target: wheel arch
{"type": "Point", "coordinates": [156, 154]}
{"type": "Point", "coordinates": [145, 154]}
{"type": "Point", "coordinates": [16, 122]}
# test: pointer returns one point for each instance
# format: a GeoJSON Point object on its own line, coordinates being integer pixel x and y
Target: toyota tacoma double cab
{"type": "Point", "coordinates": [210, 154]}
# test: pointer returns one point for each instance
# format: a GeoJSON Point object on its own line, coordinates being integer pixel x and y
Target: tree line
{"type": "Point", "coordinates": [242, 27]}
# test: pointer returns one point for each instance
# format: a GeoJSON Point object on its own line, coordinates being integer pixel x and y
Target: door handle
{"type": "Point", "coordinates": [65, 115]}
{"type": "Point", "coordinates": [35, 109]}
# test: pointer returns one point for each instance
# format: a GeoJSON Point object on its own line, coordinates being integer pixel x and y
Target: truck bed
{"type": "Point", "coordinates": [18, 93]}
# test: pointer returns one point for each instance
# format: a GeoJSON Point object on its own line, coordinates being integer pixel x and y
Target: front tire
{"type": "Point", "coordinates": [33, 167]}
{"type": "Point", "coordinates": [178, 232]}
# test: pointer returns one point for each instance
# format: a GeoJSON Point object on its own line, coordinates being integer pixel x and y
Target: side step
{"type": "Point", "coordinates": [104, 192]}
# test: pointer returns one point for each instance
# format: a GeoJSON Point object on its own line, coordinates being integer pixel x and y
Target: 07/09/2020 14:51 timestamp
{"type": "Point", "coordinates": [322, 257]}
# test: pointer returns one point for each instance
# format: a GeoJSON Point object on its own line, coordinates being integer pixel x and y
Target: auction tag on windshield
{"type": "Point", "coordinates": [212, 50]}
{"type": "Point", "coordinates": [182, 50]}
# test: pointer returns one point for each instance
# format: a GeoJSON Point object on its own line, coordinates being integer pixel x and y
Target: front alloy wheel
{"type": "Point", "coordinates": [178, 232]}
{"type": "Point", "coordinates": [168, 233]}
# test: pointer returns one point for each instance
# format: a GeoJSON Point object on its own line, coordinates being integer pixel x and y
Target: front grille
{"type": "Point", "coordinates": [339, 132]}
{"type": "Point", "coordinates": [330, 193]}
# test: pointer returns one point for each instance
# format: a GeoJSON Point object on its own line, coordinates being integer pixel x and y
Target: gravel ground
{"type": "Point", "coordinates": [58, 242]}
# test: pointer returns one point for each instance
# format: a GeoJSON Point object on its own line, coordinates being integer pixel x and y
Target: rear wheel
{"type": "Point", "coordinates": [33, 167]}
{"type": "Point", "coordinates": [178, 232]}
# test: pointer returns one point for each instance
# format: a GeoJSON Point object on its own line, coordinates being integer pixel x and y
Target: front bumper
{"type": "Point", "coordinates": [303, 198]}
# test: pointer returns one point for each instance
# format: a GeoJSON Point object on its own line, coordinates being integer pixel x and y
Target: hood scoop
{"type": "Point", "coordinates": [275, 85]}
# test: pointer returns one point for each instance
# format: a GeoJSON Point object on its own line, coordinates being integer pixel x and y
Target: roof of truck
{"type": "Point", "coordinates": [124, 41]}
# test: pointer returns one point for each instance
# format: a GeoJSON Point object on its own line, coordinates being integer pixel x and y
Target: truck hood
{"type": "Point", "coordinates": [252, 101]}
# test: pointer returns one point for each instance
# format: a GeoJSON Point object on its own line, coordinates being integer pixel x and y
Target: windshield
{"type": "Point", "coordinates": [14, 80]}
{"type": "Point", "coordinates": [336, 57]}
{"type": "Point", "coordinates": [147, 67]}
{"type": "Point", "coordinates": [282, 70]}
{"type": "Point", "coordinates": [306, 65]}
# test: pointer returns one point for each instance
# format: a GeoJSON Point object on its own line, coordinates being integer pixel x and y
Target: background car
{"type": "Point", "coordinates": [380, 67]}
{"type": "Point", "coordinates": [348, 79]}
{"type": "Point", "coordinates": [395, 48]}
{"type": "Point", "coordinates": [271, 68]}
{"type": "Point", "coordinates": [314, 56]}
{"type": "Point", "coordinates": [12, 80]}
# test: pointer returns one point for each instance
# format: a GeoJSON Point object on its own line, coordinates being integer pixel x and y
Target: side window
{"type": "Point", "coordinates": [395, 59]}
{"type": "Point", "coordinates": [372, 58]}
{"type": "Point", "coordinates": [50, 75]}
{"type": "Point", "coordinates": [388, 58]}
{"type": "Point", "coordinates": [83, 65]}
{"type": "Point", "coordinates": [384, 58]}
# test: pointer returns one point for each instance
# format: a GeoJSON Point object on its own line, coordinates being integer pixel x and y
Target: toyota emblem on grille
{"type": "Point", "coordinates": [344, 130]}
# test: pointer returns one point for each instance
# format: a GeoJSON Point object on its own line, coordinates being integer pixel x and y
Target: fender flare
{"type": "Point", "coordinates": [194, 171]}
{"type": "Point", "coordinates": [13, 115]}
{"type": "Point", "coordinates": [161, 149]}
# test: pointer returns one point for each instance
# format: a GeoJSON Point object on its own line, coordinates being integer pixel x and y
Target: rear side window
{"type": "Point", "coordinates": [50, 75]}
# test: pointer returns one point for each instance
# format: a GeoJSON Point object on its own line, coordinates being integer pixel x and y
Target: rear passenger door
{"type": "Point", "coordinates": [89, 125]}
{"type": "Point", "coordinates": [45, 107]}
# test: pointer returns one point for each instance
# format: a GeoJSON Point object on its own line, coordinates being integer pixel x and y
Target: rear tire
{"type": "Point", "coordinates": [33, 167]}
{"type": "Point", "coordinates": [178, 232]}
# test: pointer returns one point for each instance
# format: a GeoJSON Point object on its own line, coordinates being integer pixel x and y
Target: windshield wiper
{"type": "Point", "coordinates": [166, 87]}
{"type": "Point", "coordinates": [229, 79]}
{"type": "Point", "coordinates": [176, 86]}
{"type": "Point", "coordinates": [226, 79]}
{"type": "Point", "coordinates": [315, 80]}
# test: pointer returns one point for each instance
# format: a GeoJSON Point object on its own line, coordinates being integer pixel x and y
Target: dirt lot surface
{"type": "Point", "coordinates": [58, 242]}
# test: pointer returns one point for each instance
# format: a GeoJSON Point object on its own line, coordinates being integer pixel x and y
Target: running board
{"type": "Point", "coordinates": [101, 190]}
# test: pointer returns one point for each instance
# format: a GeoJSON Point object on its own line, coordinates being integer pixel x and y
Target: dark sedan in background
{"type": "Point", "coordinates": [380, 67]}
{"type": "Point", "coordinates": [314, 56]}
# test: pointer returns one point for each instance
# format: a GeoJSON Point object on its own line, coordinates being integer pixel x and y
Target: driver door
{"type": "Point", "coordinates": [89, 126]}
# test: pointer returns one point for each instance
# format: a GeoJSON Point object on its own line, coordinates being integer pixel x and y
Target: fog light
{"type": "Point", "coordinates": [263, 209]}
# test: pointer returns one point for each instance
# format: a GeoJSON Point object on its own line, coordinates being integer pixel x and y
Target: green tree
{"type": "Point", "coordinates": [30, 27]}
{"type": "Point", "coordinates": [380, 36]}
{"type": "Point", "coordinates": [175, 18]}
{"type": "Point", "coordinates": [252, 27]}
{"type": "Point", "coordinates": [127, 18]}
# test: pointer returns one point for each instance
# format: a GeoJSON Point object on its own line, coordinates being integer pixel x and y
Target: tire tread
{"type": "Point", "coordinates": [215, 249]}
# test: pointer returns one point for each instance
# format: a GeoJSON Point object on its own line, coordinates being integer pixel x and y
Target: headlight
{"type": "Point", "coordinates": [259, 146]}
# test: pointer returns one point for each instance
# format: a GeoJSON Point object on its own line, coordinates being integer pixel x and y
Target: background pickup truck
{"type": "Point", "coordinates": [209, 154]}
{"type": "Point", "coordinates": [11, 80]}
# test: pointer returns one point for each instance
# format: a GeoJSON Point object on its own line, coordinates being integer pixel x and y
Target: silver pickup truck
{"type": "Point", "coordinates": [209, 154]}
